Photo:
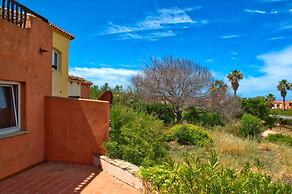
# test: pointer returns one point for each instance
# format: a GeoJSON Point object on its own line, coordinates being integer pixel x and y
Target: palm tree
{"type": "Point", "coordinates": [234, 76]}
{"type": "Point", "coordinates": [218, 87]}
{"type": "Point", "coordinates": [270, 98]}
{"type": "Point", "coordinates": [283, 87]}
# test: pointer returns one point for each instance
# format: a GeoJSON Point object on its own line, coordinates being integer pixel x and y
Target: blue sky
{"type": "Point", "coordinates": [114, 37]}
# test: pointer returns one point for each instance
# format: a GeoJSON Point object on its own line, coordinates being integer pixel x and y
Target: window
{"type": "Point", "coordinates": [9, 108]}
{"type": "Point", "coordinates": [55, 59]}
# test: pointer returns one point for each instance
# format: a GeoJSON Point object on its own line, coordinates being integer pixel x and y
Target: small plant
{"type": "Point", "coordinates": [280, 139]}
{"type": "Point", "coordinates": [250, 126]}
{"type": "Point", "coordinates": [188, 135]}
{"type": "Point", "coordinates": [194, 176]}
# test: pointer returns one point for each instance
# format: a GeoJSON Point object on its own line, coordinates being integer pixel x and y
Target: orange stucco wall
{"type": "Point", "coordinates": [21, 61]}
{"type": "Point", "coordinates": [85, 91]}
{"type": "Point", "coordinates": [75, 129]}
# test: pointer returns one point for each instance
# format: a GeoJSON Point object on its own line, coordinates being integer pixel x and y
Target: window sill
{"type": "Point", "coordinates": [21, 132]}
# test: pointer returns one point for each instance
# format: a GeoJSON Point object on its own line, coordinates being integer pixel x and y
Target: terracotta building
{"type": "Point", "coordinates": [37, 121]}
{"type": "Point", "coordinates": [278, 104]}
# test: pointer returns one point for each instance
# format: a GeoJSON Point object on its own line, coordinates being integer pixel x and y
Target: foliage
{"type": "Point", "coordinates": [280, 139]}
{"type": "Point", "coordinates": [282, 112]}
{"type": "Point", "coordinates": [161, 111]}
{"type": "Point", "coordinates": [250, 126]}
{"type": "Point", "coordinates": [188, 135]}
{"type": "Point", "coordinates": [258, 107]}
{"type": "Point", "coordinates": [234, 77]}
{"type": "Point", "coordinates": [174, 81]}
{"type": "Point", "coordinates": [269, 99]}
{"type": "Point", "coordinates": [198, 116]}
{"type": "Point", "coordinates": [195, 176]}
{"type": "Point", "coordinates": [135, 137]}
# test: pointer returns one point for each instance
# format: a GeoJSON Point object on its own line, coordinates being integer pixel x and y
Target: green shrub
{"type": "Point", "coordinates": [195, 176]}
{"type": "Point", "coordinates": [282, 112]}
{"type": "Point", "coordinates": [161, 111]}
{"type": "Point", "coordinates": [280, 139]}
{"type": "Point", "coordinates": [259, 107]}
{"type": "Point", "coordinates": [135, 137]}
{"type": "Point", "coordinates": [187, 135]}
{"type": "Point", "coordinates": [196, 116]}
{"type": "Point", "coordinates": [250, 126]}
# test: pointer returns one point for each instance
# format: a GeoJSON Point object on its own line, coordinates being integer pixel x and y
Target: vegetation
{"type": "Point", "coordinates": [135, 137]}
{"type": "Point", "coordinates": [188, 135]}
{"type": "Point", "coordinates": [198, 116]}
{"type": "Point", "coordinates": [173, 81]}
{"type": "Point", "coordinates": [143, 119]}
{"type": "Point", "coordinates": [250, 126]}
{"type": "Point", "coordinates": [234, 152]}
{"type": "Point", "coordinates": [234, 77]}
{"type": "Point", "coordinates": [194, 176]}
{"type": "Point", "coordinates": [280, 139]}
{"type": "Point", "coordinates": [283, 87]}
{"type": "Point", "coordinates": [258, 107]}
{"type": "Point", "coordinates": [282, 112]}
{"type": "Point", "coordinates": [269, 99]}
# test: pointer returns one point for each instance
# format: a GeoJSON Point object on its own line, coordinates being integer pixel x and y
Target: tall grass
{"type": "Point", "coordinates": [233, 151]}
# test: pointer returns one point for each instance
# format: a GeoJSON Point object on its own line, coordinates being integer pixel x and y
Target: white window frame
{"type": "Point", "coordinates": [9, 130]}
{"type": "Point", "coordinates": [58, 59]}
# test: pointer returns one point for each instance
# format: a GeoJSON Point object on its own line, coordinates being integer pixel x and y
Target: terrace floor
{"type": "Point", "coordinates": [55, 178]}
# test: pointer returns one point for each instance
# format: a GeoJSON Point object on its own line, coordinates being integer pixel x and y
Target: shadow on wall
{"type": "Point", "coordinates": [75, 129]}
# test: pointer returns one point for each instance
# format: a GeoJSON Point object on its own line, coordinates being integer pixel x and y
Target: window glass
{"type": "Point", "coordinates": [55, 59]}
{"type": "Point", "coordinates": [8, 107]}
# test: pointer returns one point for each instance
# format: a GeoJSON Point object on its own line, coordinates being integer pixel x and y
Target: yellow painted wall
{"type": "Point", "coordinates": [60, 75]}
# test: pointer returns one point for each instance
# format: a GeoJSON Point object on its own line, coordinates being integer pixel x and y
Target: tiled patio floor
{"type": "Point", "coordinates": [55, 178]}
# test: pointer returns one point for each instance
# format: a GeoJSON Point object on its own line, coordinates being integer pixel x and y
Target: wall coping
{"type": "Point", "coordinates": [122, 170]}
{"type": "Point", "coordinates": [78, 99]}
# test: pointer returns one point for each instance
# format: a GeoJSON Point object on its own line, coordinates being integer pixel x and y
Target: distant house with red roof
{"type": "Point", "coordinates": [278, 104]}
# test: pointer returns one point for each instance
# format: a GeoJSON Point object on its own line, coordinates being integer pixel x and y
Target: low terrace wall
{"type": "Point", "coordinates": [75, 129]}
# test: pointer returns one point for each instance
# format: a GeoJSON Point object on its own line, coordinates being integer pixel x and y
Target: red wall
{"type": "Point", "coordinates": [75, 129]}
{"type": "Point", "coordinates": [21, 61]}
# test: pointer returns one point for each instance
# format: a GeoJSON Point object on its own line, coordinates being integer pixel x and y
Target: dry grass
{"type": "Point", "coordinates": [235, 152]}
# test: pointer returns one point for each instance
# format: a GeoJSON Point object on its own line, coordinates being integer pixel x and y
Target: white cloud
{"type": "Point", "coordinates": [286, 27]}
{"type": "Point", "coordinates": [271, 1]}
{"type": "Point", "coordinates": [99, 76]}
{"type": "Point", "coordinates": [148, 36]}
{"type": "Point", "coordinates": [276, 38]}
{"type": "Point", "coordinates": [231, 36]}
{"type": "Point", "coordinates": [277, 66]}
{"type": "Point", "coordinates": [211, 60]}
{"type": "Point", "coordinates": [162, 19]}
{"type": "Point", "coordinates": [256, 11]}
{"type": "Point", "coordinates": [234, 53]}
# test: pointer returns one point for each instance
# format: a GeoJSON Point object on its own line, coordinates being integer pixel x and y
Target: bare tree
{"type": "Point", "coordinates": [179, 82]}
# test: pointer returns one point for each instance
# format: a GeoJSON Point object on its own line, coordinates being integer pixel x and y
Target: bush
{"type": "Point", "coordinates": [250, 126]}
{"type": "Point", "coordinates": [161, 111]}
{"type": "Point", "coordinates": [280, 139]}
{"type": "Point", "coordinates": [194, 176]}
{"type": "Point", "coordinates": [135, 137]}
{"type": "Point", "coordinates": [258, 107]}
{"type": "Point", "coordinates": [196, 116]}
{"type": "Point", "coordinates": [187, 135]}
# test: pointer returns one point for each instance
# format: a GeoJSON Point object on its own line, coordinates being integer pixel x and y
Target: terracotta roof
{"type": "Point", "coordinates": [79, 79]}
{"type": "Point", "coordinates": [59, 30]}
